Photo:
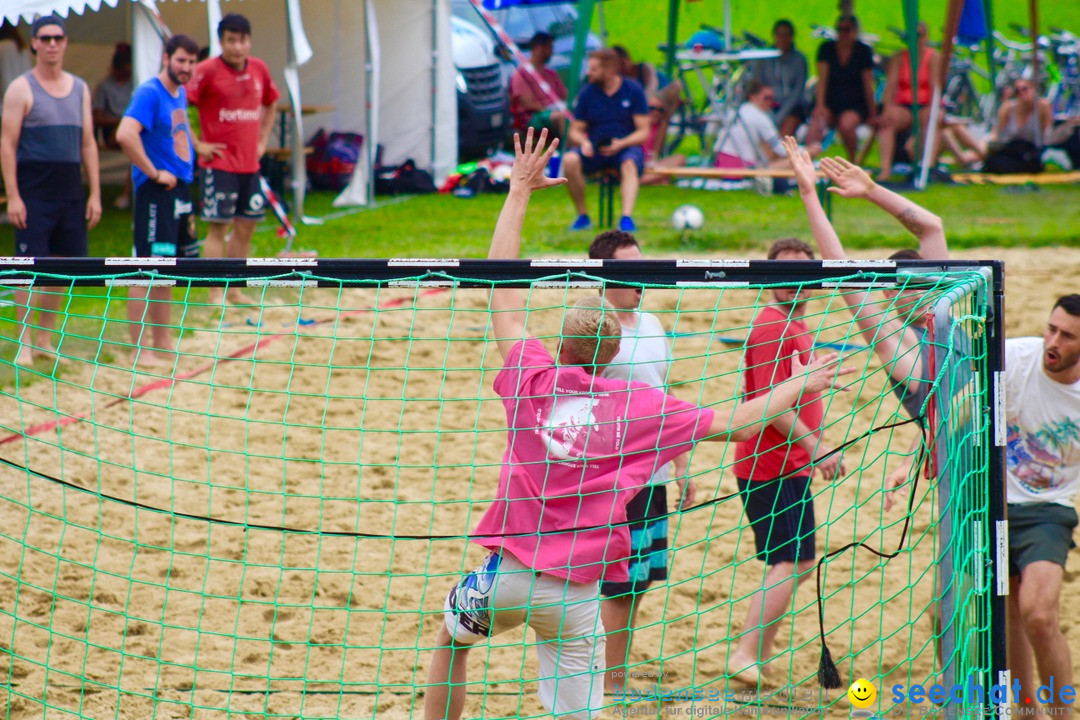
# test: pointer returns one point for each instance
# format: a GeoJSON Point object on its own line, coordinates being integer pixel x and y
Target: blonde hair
{"type": "Point", "coordinates": [591, 332]}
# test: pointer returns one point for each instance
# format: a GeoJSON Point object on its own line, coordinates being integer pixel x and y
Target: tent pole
{"type": "Point", "coordinates": [434, 78]}
{"type": "Point", "coordinates": [672, 33]}
{"type": "Point", "coordinates": [727, 26]}
{"type": "Point", "coordinates": [369, 73]}
{"type": "Point", "coordinates": [953, 12]}
{"type": "Point", "coordinates": [911, 23]}
{"type": "Point", "coordinates": [581, 33]}
{"type": "Point", "coordinates": [989, 43]}
{"type": "Point", "coordinates": [1033, 10]}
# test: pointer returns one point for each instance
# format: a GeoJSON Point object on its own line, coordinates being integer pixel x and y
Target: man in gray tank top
{"type": "Point", "coordinates": [46, 138]}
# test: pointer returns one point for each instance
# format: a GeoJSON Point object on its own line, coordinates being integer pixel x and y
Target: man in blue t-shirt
{"type": "Point", "coordinates": [156, 137]}
{"type": "Point", "coordinates": [610, 126]}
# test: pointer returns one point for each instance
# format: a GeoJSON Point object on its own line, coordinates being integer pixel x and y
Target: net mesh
{"type": "Point", "coordinates": [268, 526]}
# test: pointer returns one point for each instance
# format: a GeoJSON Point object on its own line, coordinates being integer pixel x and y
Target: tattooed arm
{"type": "Point", "coordinates": [851, 181]}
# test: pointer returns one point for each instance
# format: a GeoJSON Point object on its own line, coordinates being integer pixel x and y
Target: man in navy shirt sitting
{"type": "Point", "coordinates": [611, 123]}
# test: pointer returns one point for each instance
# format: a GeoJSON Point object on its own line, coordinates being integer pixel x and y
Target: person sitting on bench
{"type": "Point", "coordinates": [753, 140]}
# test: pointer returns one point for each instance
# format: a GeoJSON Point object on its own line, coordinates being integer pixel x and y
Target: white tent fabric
{"type": "Point", "coordinates": [396, 88]}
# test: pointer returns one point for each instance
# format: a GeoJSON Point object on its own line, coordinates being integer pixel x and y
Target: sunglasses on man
{"type": "Point", "coordinates": [50, 39]}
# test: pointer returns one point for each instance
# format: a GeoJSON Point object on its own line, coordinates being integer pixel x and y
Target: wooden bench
{"type": "Point", "coordinates": [716, 173]}
{"type": "Point", "coordinates": [1066, 178]}
{"type": "Point", "coordinates": [285, 153]}
{"type": "Point", "coordinates": [722, 173]}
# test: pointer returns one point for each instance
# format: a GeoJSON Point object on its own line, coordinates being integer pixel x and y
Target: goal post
{"type": "Point", "coordinates": [269, 524]}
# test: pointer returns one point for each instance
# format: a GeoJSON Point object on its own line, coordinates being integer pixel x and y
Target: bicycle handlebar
{"type": "Point", "coordinates": [1011, 45]}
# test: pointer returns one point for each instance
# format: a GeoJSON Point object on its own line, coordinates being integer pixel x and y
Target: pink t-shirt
{"type": "Point", "coordinates": [579, 448]}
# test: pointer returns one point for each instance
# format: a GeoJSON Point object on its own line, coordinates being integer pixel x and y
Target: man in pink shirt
{"type": "Point", "coordinates": [530, 105]}
{"type": "Point", "coordinates": [579, 447]}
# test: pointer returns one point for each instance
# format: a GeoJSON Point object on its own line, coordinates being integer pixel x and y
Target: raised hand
{"type": "Point", "coordinates": [822, 374]}
{"type": "Point", "coordinates": [801, 164]}
{"type": "Point", "coordinates": [849, 181]}
{"type": "Point", "coordinates": [530, 162]}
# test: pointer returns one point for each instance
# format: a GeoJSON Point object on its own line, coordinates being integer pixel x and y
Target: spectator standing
{"type": "Point", "coordinates": [786, 75]}
{"type": "Point", "coordinates": [111, 98]}
{"type": "Point", "coordinates": [235, 95]}
{"type": "Point", "coordinates": [845, 88]}
{"type": "Point", "coordinates": [610, 126]}
{"type": "Point", "coordinates": [529, 104]}
{"type": "Point", "coordinates": [156, 137]}
{"type": "Point", "coordinates": [47, 137]}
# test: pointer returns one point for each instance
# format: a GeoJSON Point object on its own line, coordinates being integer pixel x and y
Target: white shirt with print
{"type": "Point", "coordinates": [1043, 420]}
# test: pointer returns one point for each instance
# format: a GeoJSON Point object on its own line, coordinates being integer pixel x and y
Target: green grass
{"type": "Point", "coordinates": [445, 226]}
{"type": "Point", "coordinates": [641, 25]}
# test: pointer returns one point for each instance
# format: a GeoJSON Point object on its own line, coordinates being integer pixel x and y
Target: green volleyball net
{"type": "Point", "coordinates": [267, 525]}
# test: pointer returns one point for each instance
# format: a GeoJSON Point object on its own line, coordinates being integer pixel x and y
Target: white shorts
{"type": "Point", "coordinates": [503, 593]}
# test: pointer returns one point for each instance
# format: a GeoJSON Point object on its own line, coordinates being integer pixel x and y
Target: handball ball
{"type": "Point", "coordinates": [687, 217]}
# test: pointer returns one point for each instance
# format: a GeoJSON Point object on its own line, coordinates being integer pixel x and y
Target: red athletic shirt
{"type": "Point", "coordinates": [230, 106]}
{"type": "Point", "coordinates": [774, 337]}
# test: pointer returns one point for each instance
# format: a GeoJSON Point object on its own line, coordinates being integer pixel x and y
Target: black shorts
{"type": "Point", "coordinates": [164, 221]}
{"type": "Point", "coordinates": [227, 195]}
{"type": "Point", "coordinates": [648, 527]}
{"type": "Point", "coordinates": [55, 228]}
{"type": "Point", "coordinates": [839, 108]}
{"type": "Point", "coordinates": [781, 515]}
{"type": "Point", "coordinates": [1039, 531]}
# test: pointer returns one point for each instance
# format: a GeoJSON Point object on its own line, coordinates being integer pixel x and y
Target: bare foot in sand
{"type": "Point", "coordinates": [147, 359]}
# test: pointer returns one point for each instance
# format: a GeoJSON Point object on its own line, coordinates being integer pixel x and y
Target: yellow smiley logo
{"type": "Point", "coordinates": [862, 693]}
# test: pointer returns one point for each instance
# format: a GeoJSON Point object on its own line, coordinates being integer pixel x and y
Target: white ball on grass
{"type": "Point", "coordinates": [687, 217]}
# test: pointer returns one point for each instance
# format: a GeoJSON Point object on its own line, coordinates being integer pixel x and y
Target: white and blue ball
{"type": "Point", "coordinates": [687, 217]}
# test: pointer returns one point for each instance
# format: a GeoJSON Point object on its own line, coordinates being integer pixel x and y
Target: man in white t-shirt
{"type": "Point", "coordinates": [1042, 412]}
{"type": "Point", "coordinates": [644, 356]}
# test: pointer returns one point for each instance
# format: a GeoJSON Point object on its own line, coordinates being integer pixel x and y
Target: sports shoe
{"type": "Point", "coordinates": [122, 202]}
{"type": "Point", "coordinates": [626, 224]}
{"type": "Point", "coordinates": [582, 223]}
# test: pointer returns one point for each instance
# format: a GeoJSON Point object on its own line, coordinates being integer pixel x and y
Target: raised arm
{"type": "Point", "coordinates": [851, 181]}
{"type": "Point", "coordinates": [892, 342]}
{"type": "Point", "coordinates": [828, 242]}
{"type": "Point", "coordinates": [508, 304]}
{"type": "Point", "coordinates": [747, 420]}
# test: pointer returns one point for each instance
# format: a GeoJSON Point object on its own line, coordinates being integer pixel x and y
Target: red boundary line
{"type": "Point", "coordinates": [170, 381]}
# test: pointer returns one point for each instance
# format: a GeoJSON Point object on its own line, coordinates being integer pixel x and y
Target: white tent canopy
{"type": "Point", "coordinates": [383, 66]}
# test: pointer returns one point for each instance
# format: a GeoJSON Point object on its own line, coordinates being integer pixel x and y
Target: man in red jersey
{"type": "Point", "coordinates": [235, 96]}
{"type": "Point", "coordinates": [773, 470]}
